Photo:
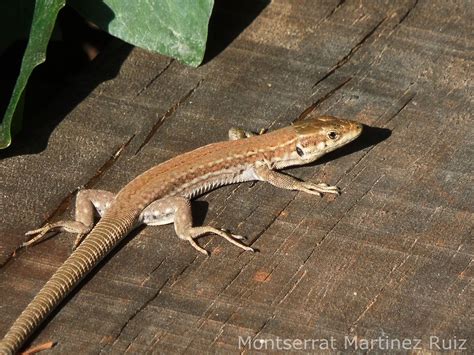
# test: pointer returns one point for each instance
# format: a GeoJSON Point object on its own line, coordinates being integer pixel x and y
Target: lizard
{"type": "Point", "coordinates": [162, 195]}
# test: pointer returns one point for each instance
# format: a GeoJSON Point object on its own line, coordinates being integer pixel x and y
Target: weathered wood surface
{"type": "Point", "coordinates": [390, 258]}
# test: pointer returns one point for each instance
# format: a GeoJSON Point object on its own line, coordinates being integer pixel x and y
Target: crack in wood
{"type": "Point", "coordinates": [349, 55]}
{"type": "Point", "coordinates": [318, 102]}
{"type": "Point", "coordinates": [259, 330]}
{"type": "Point", "coordinates": [275, 217]}
{"type": "Point", "coordinates": [108, 164]}
{"type": "Point", "coordinates": [150, 274]}
{"type": "Point", "coordinates": [207, 312]}
{"type": "Point", "coordinates": [167, 114]}
{"type": "Point", "coordinates": [293, 286]}
{"type": "Point", "coordinates": [403, 18]}
{"type": "Point", "coordinates": [131, 343]}
{"type": "Point", "coordinates": [154, 78]}
{"type": "Point", "coordinates": [390, 33]}
{"type": "Point", "coordinates": [411, 96]}
{"type": "Point", "coordinates": [339, 4]}
{"type": "Point", "coordinates": [318, 244]}
{"type": "Point", "coordinates": [183, 270]}
{"type": "Point", "coordinates": [408, 253]}
{"type": "Point", "coordinates": [137, 311]}
{"type": "Point", "coordinates": [374, 299]}
{"type": "Point", "coordinates": [218, 333]}
{"type": "Point", "coordinates": [461, 276]}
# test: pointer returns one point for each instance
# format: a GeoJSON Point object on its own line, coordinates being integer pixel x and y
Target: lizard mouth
{"type": "Point", "coordinates": [354, 130]}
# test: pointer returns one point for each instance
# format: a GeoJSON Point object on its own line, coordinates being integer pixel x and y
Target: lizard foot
{"type": "Point", "coordinates": [196, 232]}
{"type": "Point", "coordinates": [67, 226]}
{"type": "Point", "coordinates": [318, 189]}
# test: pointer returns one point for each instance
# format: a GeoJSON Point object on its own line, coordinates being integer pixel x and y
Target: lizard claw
{"type": "Point", "coordinates": [67, 226]}
{"type": "Point", "coordinates": [234, 239]}
{"type": "Point", "coordinates": [196, 232]}
{"type": "Point", "coordinates": [41, 232]}
{"type": "Point", "coordinates": [235, 236]}
{"type": "Point", "coordinates": [319, 189]}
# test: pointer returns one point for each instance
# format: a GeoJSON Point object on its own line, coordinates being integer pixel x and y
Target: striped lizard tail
{"type": "Point", "coordinates": [101, 240]}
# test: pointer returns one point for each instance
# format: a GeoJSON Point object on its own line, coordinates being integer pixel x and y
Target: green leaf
{"type": "Point", "coordinates": [44, 18]}
{"type": "Point", "coordinates": [177, 28]}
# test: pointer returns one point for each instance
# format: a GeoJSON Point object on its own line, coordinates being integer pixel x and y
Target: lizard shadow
{"type": "Point", "coordinates": [199, 209]}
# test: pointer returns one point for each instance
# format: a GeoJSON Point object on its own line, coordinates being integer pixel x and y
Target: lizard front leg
{"type": "Point", "coordinates": [239, 133]}
{"type": "Point", "coordinates": [290, 183]}
{"type": "Point", "coordinates": [88, 204]}
{"type": "Point", "coordinates": [177, 210]}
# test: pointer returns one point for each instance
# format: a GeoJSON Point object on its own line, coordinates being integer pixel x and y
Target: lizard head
{"type": "Point", "coordinates": [318, 136]}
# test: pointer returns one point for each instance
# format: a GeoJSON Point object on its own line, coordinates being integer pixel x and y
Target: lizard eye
{"type": "Point", "coordinates": [332, 135]}
{"type": "Point", "coordinates": [299, 151]}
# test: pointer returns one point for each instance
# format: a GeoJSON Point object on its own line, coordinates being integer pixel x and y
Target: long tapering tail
{"type": "Point", "coordinates": [100, 241]}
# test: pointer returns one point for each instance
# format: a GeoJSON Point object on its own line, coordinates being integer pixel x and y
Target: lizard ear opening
{"type": "Point", "coordinates": [299, 151]}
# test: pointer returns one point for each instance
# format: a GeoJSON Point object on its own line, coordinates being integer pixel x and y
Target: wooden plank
{"type": "Point", "coordinates": [390, 258]}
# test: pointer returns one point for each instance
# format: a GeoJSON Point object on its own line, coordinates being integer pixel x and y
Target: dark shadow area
{"type": "Point", "coordinates": [84, 58]}
{"type": "Point", "coordinates": [199, 210]}
{"type": "Point", "coordinates": [369, 137]}
{"type": "Point", "coordinates": [229, 18]}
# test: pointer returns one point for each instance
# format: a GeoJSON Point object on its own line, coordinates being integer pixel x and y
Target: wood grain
{"type": "Point", "coordinates": [391, 257]}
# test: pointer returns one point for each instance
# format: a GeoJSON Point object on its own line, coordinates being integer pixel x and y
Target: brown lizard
{"type": "Point", "coordinates": [162, 194]}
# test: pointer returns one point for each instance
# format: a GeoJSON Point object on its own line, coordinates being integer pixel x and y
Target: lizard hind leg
{"type": "Point", "coordinates": [88, 204]}
{"type": "Point", "coordinates": [178, 211]}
